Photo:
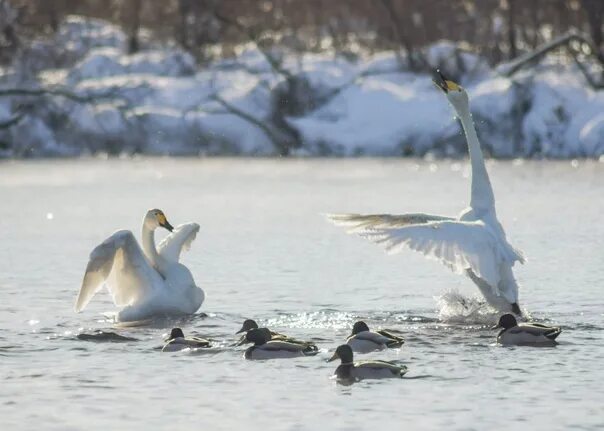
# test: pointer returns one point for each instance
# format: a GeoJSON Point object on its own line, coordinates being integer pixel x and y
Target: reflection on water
{"type": "Point", "coordinates": [265, 252]}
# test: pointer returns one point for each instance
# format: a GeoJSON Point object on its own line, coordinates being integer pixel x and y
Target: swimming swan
{"type": "Point", "coordinates": [148, 282]}
{"type": "Point", "coordinates": [473, 244]}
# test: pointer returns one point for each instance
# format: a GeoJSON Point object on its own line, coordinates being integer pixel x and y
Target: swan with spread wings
{"type": "Point", "coordinates": [146, 282]}
{"type": "Point", "coordinates": [473, 244]}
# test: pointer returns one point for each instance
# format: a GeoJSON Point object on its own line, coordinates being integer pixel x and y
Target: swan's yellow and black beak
{"type": "Point", "coordinates": [334, 357]}
{"type": "Point", "coordinates": [443, 83]}
{"type": "Point", "coordinates": [163, 222]}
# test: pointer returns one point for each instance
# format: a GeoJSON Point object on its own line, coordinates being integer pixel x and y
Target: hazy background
{"type": "Point", "coordinates": [312, 77]}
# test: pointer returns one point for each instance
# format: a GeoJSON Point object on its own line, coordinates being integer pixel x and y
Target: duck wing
{"type": "Point", "coordinates": [119, 263]}
{"type": "Point", "coordinates": [277, 345]}
{"type": "Point", "coordinates": [380, 366]}
{"type": "Point", "coordinates": [178, 240]}
{"type": "Point", "coordinates": [395, 340]}
{"type": "Point", "coordinates": [550, 332]}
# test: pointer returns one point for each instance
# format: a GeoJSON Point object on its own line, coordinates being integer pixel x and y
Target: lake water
{"type": "Point", "coordinates": [265, 251]}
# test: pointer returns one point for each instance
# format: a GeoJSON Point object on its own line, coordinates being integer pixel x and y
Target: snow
{"type": "Point", "coordinates": [159, 101]}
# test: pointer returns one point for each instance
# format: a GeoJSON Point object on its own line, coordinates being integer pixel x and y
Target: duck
{"type": "Point", "coordinates": [525, 334]}
{"type": "Point", "coordinates": [362, 340]}
{"type": "Point", "coordinates": [266, 348]}
{"type": "Point", "coordinates": [349, 370]}
{"type": "Point", "coordinates": [177, 341]}
{"type": "Point", "coordinates": [250, 324]}
{"type": "Point", "coordinates": [145, 282]}
{"type": "Point", "coordinates": [473, 243]}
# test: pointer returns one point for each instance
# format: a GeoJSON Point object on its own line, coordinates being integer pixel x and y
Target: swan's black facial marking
{"type": "Point", "coordinates": [163, 221]}
{"type": "Point", "coordinates": [443, 83]}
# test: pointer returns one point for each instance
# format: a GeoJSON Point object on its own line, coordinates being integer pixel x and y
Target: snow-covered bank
{"type": "Point", "coordinates": [159, 101]}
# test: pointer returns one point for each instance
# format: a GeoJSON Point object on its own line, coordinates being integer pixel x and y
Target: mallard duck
{"type": "Point", "coordinates": [265, 348]}
{"type": "Point", "coordinates": [250, 324]}
{"type": "Point", "coordinates": [349, 370]}
{"type": "Point", "coordinates": [513, 333]}
{"type": "Point", "coordinates": [362, 340]}
{"type": "Point", "coordinates": [177, 341]}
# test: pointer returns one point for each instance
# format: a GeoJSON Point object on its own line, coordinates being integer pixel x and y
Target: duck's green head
{"type": "Point", "coordinates": [258, 336]}
{"type": "Point", "coordinates": [176, 333]}
{"type": "Point", "coordinates": [247, 325]}
{"type": "Point", "coordinates": [359, 326]}
{"type": "Point", "coordinates": [506, 321]}
{"type": "Point", "coordinates": [344, 353]}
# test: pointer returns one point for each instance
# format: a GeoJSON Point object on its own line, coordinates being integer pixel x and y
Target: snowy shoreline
{"type": "Point", "coordinates": [159, 102]}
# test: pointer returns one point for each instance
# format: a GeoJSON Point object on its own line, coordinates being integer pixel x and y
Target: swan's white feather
{"type": "Point", "coordinates": [360, 222]}
{"type": "Point", "coordinates": [178, 240]}
{"type": "Point", "coordinates": [119, 263]}
{"type": "Point", "coordinates": [458, 245]}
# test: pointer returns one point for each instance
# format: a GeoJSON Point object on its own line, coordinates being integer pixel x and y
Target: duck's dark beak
{"type": "Point", "coordinates": [334, 357]}
{"type": "Point", "coordinates": [495, 327]}
{"type": "Point", "coordinates": [241, 330]}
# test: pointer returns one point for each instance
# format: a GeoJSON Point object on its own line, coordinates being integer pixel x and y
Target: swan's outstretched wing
{"type": "Point", "coordinates": [360, 222]}
{"type": "Point", "coordinates": [120, 264]}
{"type": "Point", "coordinates": [180, 239]}
{"type": "Point", "coordinates": [457, 244]}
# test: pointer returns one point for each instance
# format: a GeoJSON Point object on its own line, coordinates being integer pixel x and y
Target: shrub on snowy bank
{"type": "Point", "coordinates": [159, 101]}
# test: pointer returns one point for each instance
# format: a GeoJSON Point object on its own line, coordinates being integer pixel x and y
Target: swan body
{"type": "Point", "coordinates": [265, 348]}
{"type": "Point", "coordinates": [177, 342]}
{"type": "Point", "coordinates": [362, 340]}
{"type": "Point", "coordinates": [349, 370]}
{"type": "Point", "coordinates": [525, 334]}
{"type": "Point", "coordinates": [147, 282]}
{"type": "Point", "coordinates": [473, 244]}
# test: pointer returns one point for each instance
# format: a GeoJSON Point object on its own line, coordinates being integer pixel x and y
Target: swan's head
{"type": "Point", "coordinates": [156, 218]}
{"type": "Point", "coordinates": [359, 326]}
{"type": "Point", "coordinates": [344, 353]}
{"type": "Point", "coordinates": [506, 321]}
{"type": "Point", "coordinates": [455, 93]}
{"type": "Point", "coordinates": [247, 325]}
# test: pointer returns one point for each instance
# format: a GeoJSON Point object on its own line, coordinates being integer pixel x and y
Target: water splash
{"type": "Point", "coordinates": [457, 308]}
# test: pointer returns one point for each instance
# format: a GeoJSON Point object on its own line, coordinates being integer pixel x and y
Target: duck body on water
{"type": "Point", "coordinates": [525, 334]}
{"type": "Point", "coordinates": [362, 340]}
{"type": "Point", "coordinates": [177, 342]}
{"type": "Point", "coordinates": [349, 370]}
{"type": "Point", "coordinates": [265, 348]}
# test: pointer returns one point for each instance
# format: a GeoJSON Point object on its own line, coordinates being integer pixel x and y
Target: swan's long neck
{"type": "Point", "coordinates": [149, 248]}
{"type": "Point", "coordinates": [482, 192]}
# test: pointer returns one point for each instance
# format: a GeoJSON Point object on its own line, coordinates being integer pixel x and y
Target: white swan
{"type": "Point", "coordinates": [146, 284]}
{"type": "Point", "coordinates": [473, 244]}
